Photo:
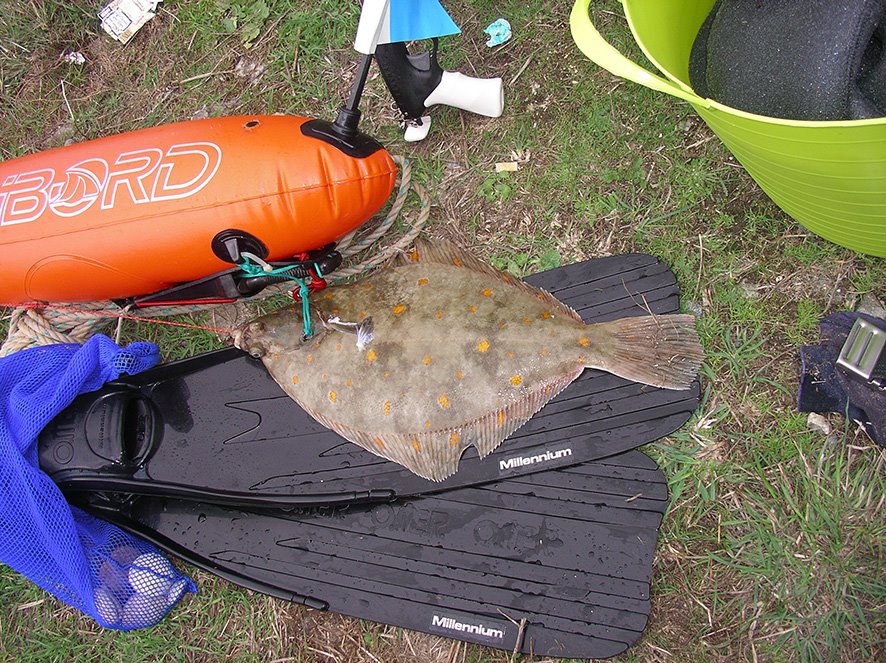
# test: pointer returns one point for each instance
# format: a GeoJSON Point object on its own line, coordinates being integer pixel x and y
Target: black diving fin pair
{"type": "Point", "coordinates": [555, 563]}
{"type": "Point", "coordinates": [543, 547]}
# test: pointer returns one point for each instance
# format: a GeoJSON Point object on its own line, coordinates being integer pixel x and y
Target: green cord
{"type": "Point", "coordinates": [252, 270]}
{"type": "Point", "coordinates": [303, 292]}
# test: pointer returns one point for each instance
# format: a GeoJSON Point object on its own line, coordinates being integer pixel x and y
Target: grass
{"type": "Point", "coordinates": [772, 548]}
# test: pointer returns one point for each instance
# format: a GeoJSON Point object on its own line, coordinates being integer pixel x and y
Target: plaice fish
{"type": "Point", "coordinates": [439, 351]}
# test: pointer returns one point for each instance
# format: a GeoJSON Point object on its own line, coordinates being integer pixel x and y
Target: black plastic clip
{"type": "Point", "coordinates": [232, 284]}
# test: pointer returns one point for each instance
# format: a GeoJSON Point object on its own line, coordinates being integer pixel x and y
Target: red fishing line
{"type": "Point", "coordinates": [125, 316]}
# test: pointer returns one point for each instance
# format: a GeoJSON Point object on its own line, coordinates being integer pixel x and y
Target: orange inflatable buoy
{"type": "Point", "coordinates": [136, 213]}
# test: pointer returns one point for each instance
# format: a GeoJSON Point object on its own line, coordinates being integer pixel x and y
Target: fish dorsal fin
{"type": "Point", "coordinates": [435, 454]}
{"type": "Point", "coordinates": [446, 253]}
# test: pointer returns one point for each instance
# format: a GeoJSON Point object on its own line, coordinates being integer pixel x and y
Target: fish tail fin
{"type": "Point", "coordinates": [659, 350]}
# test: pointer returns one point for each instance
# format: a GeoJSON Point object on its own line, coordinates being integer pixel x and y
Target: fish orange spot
{"type": "Point", "coordinates": [349, 383]}
{"type": "Point", "coordinates": [294, 379]}
{"type": "Point", "coordinates": [546, 315]}
{"type": "Point", "coordinates": [328, 295]}
{"type": "Point", "coordinates": [549, 389]}
{"type": "Point", "coordinates": [545, 352]}
{"type": "Point", "coordinates": [416, 444]}
{"type": "Point", "coordinates": [487, 292]}
{"type": "Point", "coordinates": [427, 359]}
{"type": "Point", "coordinates": [505, 278]}
{"type": "Point", "coordinates": [501, 417]}
{"type": "Point", "coordinates": [370, 356]}
{"type": "Point", "coordinates": [517, 380]}
{"type": "Point", "coordinates": [483, 345]}
{"type": "Point", "coordinates": [333, 396]}
{"type": "Point", "coordinates": [310, 359]}
{"type": "Point", "coordinates": [386, 375]}
{"type": "Point", "coordinates": [454, 439]}
{"type": "Point", "coordinates": [526, 321]}
{"type": "Point", "coordinates": [276, 356]}
{"type": "Point", "coordinates": [584, 341]}
{"type": "Point", "coordinates": [386, 408]}
{"type": "Point", "coordinates": [428, 423]}
{"type": "Point", "coordinates": [398, 309]}
{"type": "Point", "coordinates": [456, 262]}
{"type": "Point", "coordinates": [472, 308]}
{"type": "Point", "coordinates": [459, 375]}
{"type": "Point", "coordinates": [439, 315]}
{"type": "Point", "coordinates": [510, 354]}
{"type": "Point", "coordinates": [582, 360]}
{"type": "Point", "coordinates": [379, 443]}
{"type": "Point", "coordinates": [443, 400]}
{"type": "Point", "coordinates": [415, 256]}
{"type": "Point", "coordinates": [422, 281]}
{"type": "Point", "coordinates": [367, 286]}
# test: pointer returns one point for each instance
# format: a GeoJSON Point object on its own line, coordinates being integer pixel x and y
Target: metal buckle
{"type": "Point", "coordinates": [863, 355]}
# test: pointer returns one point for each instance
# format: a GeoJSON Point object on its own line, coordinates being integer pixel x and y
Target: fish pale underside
{"type": "Point", "coordinates": [448, 352]}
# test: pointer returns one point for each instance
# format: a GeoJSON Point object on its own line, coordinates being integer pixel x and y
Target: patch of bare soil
{"type": "Point", "coordinates": [335, 639]}
{"type": "Point", "coordinates": [687, 623]}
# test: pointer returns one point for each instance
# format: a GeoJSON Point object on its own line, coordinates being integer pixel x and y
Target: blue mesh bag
{"type": "Point", "coordinates": [120, 581]}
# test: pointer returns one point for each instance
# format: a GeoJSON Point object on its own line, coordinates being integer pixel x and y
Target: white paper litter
{"type": "Point", "coordinates": [74, 57]}
{"type": "Point", "coordinates": [123, 18]}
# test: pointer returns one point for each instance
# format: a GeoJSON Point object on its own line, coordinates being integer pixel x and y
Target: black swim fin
{"type": "Point", "coordinates": [556, 563]}
{"type": "Point", "coordinates": [217, 428]}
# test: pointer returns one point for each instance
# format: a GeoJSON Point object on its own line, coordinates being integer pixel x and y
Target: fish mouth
{"type": "Point", "coordinates": [237, 337]}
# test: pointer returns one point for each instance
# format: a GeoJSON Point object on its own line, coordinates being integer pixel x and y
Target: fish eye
{"type": "Point", "coordinates": [256, 350]}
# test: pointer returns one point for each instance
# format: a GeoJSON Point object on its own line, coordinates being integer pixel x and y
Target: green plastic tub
{"type": "Point", "coordinates": [829, 176]}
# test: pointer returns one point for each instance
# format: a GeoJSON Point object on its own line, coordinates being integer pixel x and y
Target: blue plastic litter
{"type": "Point", "coordinates": [499, 32]}
{"type": "Point", "coordinates": [120, 581]}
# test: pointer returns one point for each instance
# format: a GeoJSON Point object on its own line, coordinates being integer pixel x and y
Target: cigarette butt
{"type": "Point", "coordinates": [506, 167]}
